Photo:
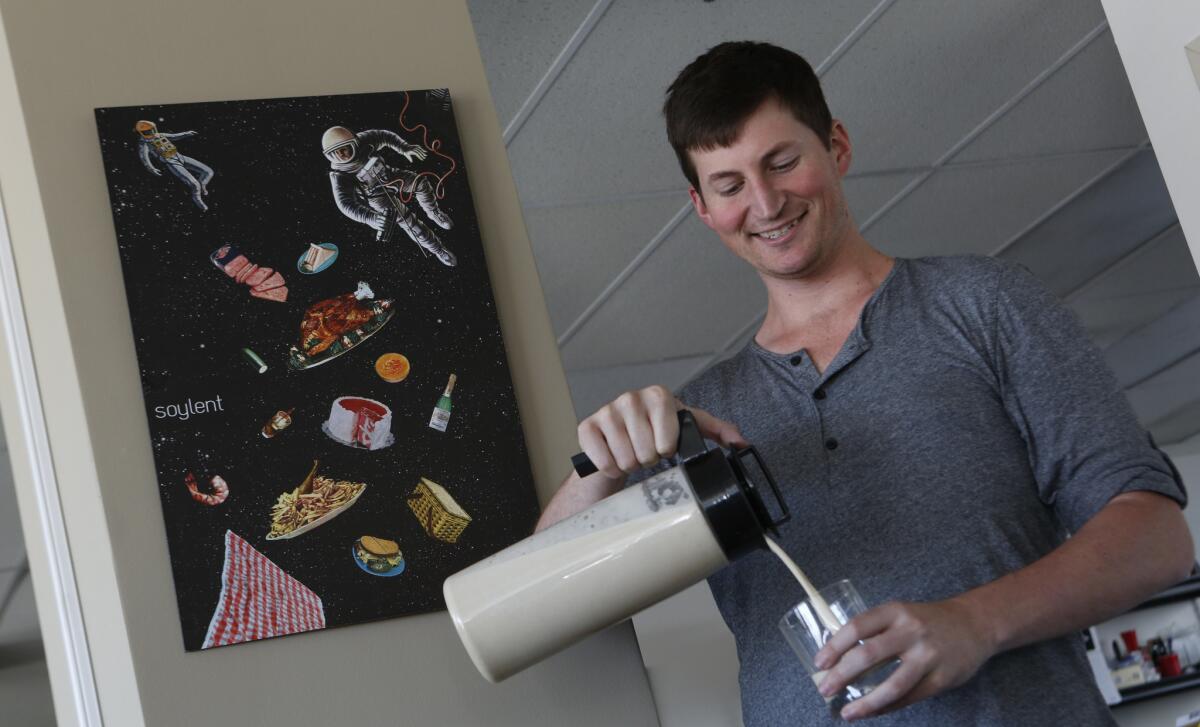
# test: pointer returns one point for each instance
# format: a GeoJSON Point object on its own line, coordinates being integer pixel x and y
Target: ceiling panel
{"type": "Point", "coordinates": [1180, 425]}
{"type": "Point", "coordinates": [1152, 281]}
{"type": "Point", "coordinates": [12, 546]}
{"type": "Point", "coordinates": [1099, 227]}
{"type": "Point", "coordinates": [8, 579]}
{"type": "Point", "coordinates": [19, 622]}
{"type": "Point", "coordinates": [865, 194]}
{"type": "Point", "coordinates": [1060, 116]}
{"type": "Point", "coordinates": [598, 132]}
{"type": "Point", "coordinates": [687, 299]}
{"type": "Point", "coordinates": [519, 40]}
{"type": "Point", "coordinates": [1170, 396]}
{"type": "Point", "coordinates": [581, 249]}
{"type": "Point", "coordinates": [976, 209]}
{"type": "Point", "coordinates": [1165, 340]}
{"type": "Point", "coordinates": [927, 73]}
{"type": "Point", "coordinates": [593, 388]}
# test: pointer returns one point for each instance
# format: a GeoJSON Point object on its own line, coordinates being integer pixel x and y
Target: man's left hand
{"type": "Point", "coordinates": [940, 645]}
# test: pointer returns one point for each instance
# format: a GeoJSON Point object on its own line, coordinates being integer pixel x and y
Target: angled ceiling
{"type": "Point", "coordinates": [1003, 128]}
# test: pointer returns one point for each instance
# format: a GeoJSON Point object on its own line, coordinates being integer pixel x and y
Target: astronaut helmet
{"type": "Point", "coordinates": [339, 145]}
{"type": "Point", "coordinates": [145, 129]}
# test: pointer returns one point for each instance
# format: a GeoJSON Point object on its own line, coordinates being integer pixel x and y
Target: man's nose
{"type": "Point", "coordinates": [766, 200]}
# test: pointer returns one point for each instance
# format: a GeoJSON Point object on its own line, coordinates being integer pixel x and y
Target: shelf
{"type": "Point", "coordinates": [1178, 592]}
{"type": "Point", "coordinates": [1158, 688]}
{"type": "Point", "coordinates": [1182, 591]}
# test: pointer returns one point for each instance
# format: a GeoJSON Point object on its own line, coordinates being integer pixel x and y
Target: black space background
{"type": "Point", "coordinates": [271, 197]}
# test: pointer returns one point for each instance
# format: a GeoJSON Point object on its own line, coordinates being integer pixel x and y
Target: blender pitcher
{"type": "Point", "coordinates": [623, 554]}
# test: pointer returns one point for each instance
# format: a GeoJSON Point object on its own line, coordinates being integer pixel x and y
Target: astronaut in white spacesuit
{"type": "Point", "coordinates": [154, 143]}
{"type": "Point", "coordinates": [370, 179]}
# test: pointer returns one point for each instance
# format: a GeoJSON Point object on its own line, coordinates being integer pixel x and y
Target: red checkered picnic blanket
{"type": "Point", "coordinates": [259, 600]}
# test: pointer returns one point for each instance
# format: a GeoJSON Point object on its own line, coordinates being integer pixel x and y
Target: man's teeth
{"type": "Point", "coordinates": [776, 234]}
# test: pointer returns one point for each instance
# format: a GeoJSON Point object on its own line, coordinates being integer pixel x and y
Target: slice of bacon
{"type": "Point", "coordinates": [255, 278]}
{"type": "Point", "coordinates": [245, 273]}
{"type": "Point", "coordinates": [275, 281]}
{"type": "Point", "coordinates": [235, 265]}
{"type": "Point", "coordinates": [276, 294]}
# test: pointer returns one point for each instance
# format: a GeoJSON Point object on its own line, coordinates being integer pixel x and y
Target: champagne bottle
{"type": "Point", "coordinates": [441, 412]}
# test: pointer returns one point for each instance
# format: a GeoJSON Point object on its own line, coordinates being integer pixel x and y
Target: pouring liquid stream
{"type": "Point", "coordinates": [828, 620]}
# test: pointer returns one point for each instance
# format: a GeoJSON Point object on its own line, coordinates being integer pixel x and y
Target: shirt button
{"type": "Point", "coordinates": [819, 394]}
{"type": "Point", "coordinates": [831, 443]}
{"type": "Point", "coordinates": [797, 360]}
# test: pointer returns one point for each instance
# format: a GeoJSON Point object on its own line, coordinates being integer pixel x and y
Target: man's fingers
{"type": "Point", "coordinates": [614, 427]}
{"type": "Point", "coordinates": [892, 694]}
{"type": "Point", "coordinates": [640, 431]}
{"type": "Point", "coordinates": [662, 408]}
{"type": "Point", "coordinates": [860, 628]}
{"type": "Point", "coordinates": [595, 446]}
{"type": "Point", "coordinates": [639, 427]}
{"type": "Point", "coordinates": [862, 658]}
{"type": "Point", "coordinates": [718, 430]}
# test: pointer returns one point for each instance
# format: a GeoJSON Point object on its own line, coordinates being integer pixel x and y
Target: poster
{"type": "Point", "coordinates": [328, 396]}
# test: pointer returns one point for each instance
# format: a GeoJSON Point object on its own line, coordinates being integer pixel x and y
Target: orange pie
{"type": "Point", "coordinates": [392, 367]}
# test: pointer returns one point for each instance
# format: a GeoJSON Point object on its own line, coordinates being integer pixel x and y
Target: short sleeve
{"type": "Point", "coordinates": [1085, 444]}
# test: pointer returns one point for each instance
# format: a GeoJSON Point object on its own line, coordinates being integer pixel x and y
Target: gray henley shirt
{"type": "Point", "coordinates": [966, 427]}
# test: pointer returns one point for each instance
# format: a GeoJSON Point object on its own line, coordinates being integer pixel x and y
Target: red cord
{"type": "Point", "coordinates": [439, 189]}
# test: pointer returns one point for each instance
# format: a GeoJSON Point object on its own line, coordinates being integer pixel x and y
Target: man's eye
{"type": "Point", "coordinates": [729, 191]}
{"type": "Point", "coordinates": [785, 166]}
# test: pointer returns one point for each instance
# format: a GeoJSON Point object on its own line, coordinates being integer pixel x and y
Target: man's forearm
{"type": "Point", "coordinates": [1134, 547]}
{"type": "Point", "coordinates": [575, 494]}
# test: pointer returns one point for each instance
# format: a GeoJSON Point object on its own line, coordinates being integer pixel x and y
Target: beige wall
{"type": "Point", "coordinates": [59, 60]}
{"type": "Point", "coordinates": [1151, 38]}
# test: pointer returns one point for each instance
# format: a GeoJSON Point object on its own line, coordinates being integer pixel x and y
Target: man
{"type": "Point", "coordinates": [370, 183]}
{"type": "Point", "coordinates": [158, 144]}
{"type": "Point", "coordinates": [939, 427]}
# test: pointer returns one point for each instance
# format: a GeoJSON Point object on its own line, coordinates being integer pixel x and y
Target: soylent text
{"type": "Point", "coordinates": [184, 411]}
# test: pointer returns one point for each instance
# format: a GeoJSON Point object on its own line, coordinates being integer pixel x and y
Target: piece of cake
{"type": "Point", "coordinates": [359, 422]}
{"type": "Point", "coordinates": [316, 256]}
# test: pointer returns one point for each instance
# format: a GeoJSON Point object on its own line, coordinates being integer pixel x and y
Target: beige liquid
{"type": "Point", "coordinates": [819, 604]}
{"type": "Point", "coordinates": [828, 620]}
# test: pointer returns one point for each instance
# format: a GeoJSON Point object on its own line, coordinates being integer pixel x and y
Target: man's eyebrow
{"type": "Point", "coordinates": [717, 176]}
{"type": "Point", "coordinates": [778, 148]}
{"type": "Point", "coordinates": [773, 151]}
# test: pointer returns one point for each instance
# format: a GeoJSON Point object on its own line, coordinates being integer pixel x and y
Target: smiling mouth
{"type": "Point", "coordinates": [779, 232]}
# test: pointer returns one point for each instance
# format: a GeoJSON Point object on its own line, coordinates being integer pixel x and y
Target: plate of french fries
{"type": "Point", "coordinates": [316, 501]}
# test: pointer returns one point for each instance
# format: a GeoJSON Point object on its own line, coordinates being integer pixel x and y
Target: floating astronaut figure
{"type": "Point", "coordinates": [369, 178]}
{"type": "Point", "coordinates": [152, 142]}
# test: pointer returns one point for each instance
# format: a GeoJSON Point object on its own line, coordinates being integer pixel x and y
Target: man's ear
{"type": "Point", "coordinates": [840, 147]}
{"type": "Point", "coordinates": [701, 208]}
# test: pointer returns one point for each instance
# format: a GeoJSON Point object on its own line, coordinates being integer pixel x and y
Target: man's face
{"type": "Point", "coordinates": [774, 196]}
{"type": "Point", "coordinates": [344, 153]}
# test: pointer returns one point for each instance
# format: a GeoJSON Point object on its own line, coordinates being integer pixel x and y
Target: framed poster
{"type": "Point", "coordinates": [332, 417]}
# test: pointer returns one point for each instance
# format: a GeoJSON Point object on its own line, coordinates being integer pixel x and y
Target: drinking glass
{"type": "Point", "coordinates": [803, 629]}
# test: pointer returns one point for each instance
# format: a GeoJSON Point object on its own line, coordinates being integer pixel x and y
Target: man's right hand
{"type": "Point", "coordinates": [632, 432]}
{"type": "Point", "coordinates": [638, 428]}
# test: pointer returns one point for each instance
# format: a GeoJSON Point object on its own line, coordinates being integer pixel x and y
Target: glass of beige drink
{"type": "Point", "coordinates": [810, 623]}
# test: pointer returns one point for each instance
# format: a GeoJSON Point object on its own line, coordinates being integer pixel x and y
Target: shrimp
{"type": "Point", "coordinates": [219, 494]}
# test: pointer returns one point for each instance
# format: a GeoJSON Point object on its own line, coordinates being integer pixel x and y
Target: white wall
{"type": "Point", "coordinates": [1151, 37]}
{"type": "Point", "coordinates": [60, 59]}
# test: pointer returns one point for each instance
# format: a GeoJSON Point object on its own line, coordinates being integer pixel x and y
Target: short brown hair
{"type": "Point", "coordinates": [713, 96]}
